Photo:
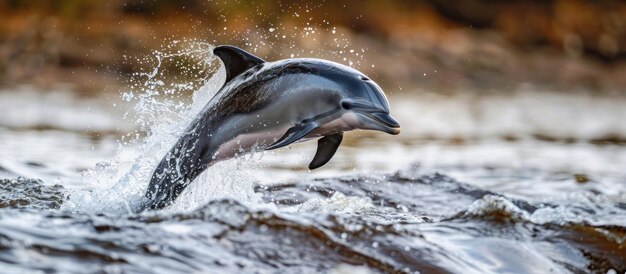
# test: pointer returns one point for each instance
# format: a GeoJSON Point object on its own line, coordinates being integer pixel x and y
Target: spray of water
{"type": "Point", "coordinates": [117, 186]}
{"type": "Point", "coordinates": [163, 110]}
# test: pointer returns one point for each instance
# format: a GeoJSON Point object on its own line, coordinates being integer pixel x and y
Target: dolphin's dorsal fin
{"type": "Point", "coordinates": [236, 60]}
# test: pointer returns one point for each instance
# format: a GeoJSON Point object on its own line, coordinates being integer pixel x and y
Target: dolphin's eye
{"type": "Point", "coordinates": [346, 105]}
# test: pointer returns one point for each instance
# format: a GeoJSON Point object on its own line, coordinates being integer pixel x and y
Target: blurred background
{"type": "Point", "coordinates": [512, 85]}
{"type": "Point", "coordinates": [438, 44]}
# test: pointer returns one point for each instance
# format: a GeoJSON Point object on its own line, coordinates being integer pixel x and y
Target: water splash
{"type": "Point", "coordinates": [118, 186]}
{"type": "Point", "coordinates": [163, 110]}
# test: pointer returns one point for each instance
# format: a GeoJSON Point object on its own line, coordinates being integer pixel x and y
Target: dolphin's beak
{"type": "Point", "coordinates": [382, 121]}
{"type": "Point", "coordinates": [391, 125]}
{"type": "Point", "coordinates": [388, 123]}
{"type": "Point", "coordinates": [375, 118]}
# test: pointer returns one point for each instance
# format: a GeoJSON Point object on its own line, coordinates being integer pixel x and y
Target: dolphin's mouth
{"type": "Point", "coordinates": [384, 122]}
{"type": "Point", "coordinates": [376, 118]}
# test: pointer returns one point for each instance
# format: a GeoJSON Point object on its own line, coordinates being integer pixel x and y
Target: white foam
{"type": "Point", "coordinates": [229, 179]}
{"type": "Point", "coordinates": [495, 205]}
{"type": "Point", "coordinates": [338, 203]}
{"type": "Point", "coordinates": [582, 207]}
{"type": "Point", "coordinates": [117, 186]}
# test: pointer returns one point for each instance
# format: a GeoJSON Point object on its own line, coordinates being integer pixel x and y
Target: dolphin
{"type": "Point", "coordinates": [267, 105]}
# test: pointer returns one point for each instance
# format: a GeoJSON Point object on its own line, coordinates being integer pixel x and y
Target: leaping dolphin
{"type": "Point", "coordinates": [268, 105]}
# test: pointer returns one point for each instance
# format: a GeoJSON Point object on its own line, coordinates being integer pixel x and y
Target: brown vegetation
{"type": "Point", "coordinates": [565, 44]}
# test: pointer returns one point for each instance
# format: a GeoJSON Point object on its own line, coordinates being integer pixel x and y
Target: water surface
{"type": "Point", "coordinates": [519, 181]}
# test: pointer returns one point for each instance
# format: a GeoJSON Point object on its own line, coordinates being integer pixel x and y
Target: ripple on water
{"type": "Point", "coordinates": [404, 222]}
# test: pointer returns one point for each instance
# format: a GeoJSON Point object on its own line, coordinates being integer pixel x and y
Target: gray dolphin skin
{"type": "Point", "coordinates": [268, 105]}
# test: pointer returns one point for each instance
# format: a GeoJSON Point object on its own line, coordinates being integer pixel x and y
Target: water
{"type": "Point", "coordinates": [521, 181]}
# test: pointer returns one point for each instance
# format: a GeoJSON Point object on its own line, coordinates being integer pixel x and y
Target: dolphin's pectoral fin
{"type": "Point", "coordinates": [236, 60]}
{"type": "Point", "coordinates": [326, 148]}
{"type": "Point", "coordinates": [293, 134]}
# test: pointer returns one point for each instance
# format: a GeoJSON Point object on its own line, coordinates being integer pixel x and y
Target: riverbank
{"type": "Point", "coordinates": [561, 45]}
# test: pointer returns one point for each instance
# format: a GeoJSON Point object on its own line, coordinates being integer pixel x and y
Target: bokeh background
{"type": "Point", "coordinates": [438, 44]}
{"type": "Point", "coordinates": [512, 85]}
